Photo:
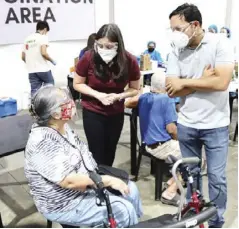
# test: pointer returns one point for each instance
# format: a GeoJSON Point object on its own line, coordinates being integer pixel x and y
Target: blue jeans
{"type": "Point", "coordinates": [216, 143]}
{"type": "Point", "coordinates": [126, 211]}
{"type": "Point", "coordinates": [38, 79]}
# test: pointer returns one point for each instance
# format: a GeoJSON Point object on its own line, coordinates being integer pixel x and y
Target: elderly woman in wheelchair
{"type": "Point", "coordinates": [58, 164]}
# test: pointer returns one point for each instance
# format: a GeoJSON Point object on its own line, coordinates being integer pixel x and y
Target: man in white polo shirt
{"type": "Point", "coordinates": [199, 71]}
{"type": "Point", "coordinates": [35, 56]}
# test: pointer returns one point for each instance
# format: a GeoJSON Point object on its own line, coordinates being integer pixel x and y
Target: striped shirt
{"type": "Point", "coordinates": [49, 158]}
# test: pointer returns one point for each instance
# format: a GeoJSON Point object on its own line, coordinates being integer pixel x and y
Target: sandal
{"type": "Point", "coordinates": [174, 202]}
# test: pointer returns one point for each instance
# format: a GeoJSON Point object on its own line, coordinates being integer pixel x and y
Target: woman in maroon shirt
{"type": "Point", "coordinates": [101, 77]}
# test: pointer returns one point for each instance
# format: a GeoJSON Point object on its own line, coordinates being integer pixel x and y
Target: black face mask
{"type": "Point", "coordinates": [151, 49]}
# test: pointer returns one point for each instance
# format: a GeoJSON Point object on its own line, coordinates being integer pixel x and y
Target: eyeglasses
{"type": "Point", "coordinates": [112, 45]}
{"type": "Point", "coordinates": [181, 28]}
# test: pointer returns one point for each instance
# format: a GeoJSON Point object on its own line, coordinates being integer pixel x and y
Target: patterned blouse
{"type": "Point", "coordinates": [49, 158]}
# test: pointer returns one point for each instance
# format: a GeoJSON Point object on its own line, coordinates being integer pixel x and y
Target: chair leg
{"type": "Point", "coordinates": [49, 224]}
{"type": "Point", "coordinates": [1, 224]}
{"type": "Point", "coordinates": [138, 164]}
{"type": "Point", "coordinates": [236, 133]}
{"type": "Point", "coordinates": [152, 169]}
{"type": "Point", "coordinates": [159, 168]}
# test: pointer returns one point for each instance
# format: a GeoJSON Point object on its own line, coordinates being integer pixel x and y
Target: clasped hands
{"type": "Point", "coordinates": [175, 85]}
{"type": "Point", "coordinates": [108, 99]}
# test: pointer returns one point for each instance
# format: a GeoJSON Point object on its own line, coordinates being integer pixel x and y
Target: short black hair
{"type": "Point", "coordinates": [42, 25]}
{"type": "Point", "coordinates": [189, 11]}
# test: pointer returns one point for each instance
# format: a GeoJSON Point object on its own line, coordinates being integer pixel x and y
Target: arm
{"type": "Point", "coordinates": [219, 82]}
{"type": "Point", "coordinates": [132, 102]}
{"type": "Point", "coordinates": [79, 85]}
{"type": "Point", "coordinates": [172, 130]}
{"type": "Point", "coordinates": [134, 79]}
{"type": "Point", "coordinates": [173, 71]}
{"type": "Point", "coordinates": [217, 79]}
{"type": "Point", "coordinates": [181, 93]}
{"type": "Point", "coordinates": [24, 57]}
{"type": "Point", "coordinates": [45, 54]}
{"type": "Point", "coordinates": [170, 116]}
{"type": "Point", "coordinates": [81, 182]}
{"type": "Point", "coordinates": [131, 91]}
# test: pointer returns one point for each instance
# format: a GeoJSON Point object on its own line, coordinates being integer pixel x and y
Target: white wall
{"type": "Point", "coordinates": [13, 75]}
{"type": "Point", "coordinates": [139, 20]}
{"type": "Point", "coordinates": [149, 20]}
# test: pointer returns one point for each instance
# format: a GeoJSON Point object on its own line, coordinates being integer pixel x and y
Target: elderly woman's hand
{"type": "Point", "coordinates": [119, 185]}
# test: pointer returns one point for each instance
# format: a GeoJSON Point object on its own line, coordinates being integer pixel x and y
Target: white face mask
{"type": "Point", "coordinates": [224, 34]}
{"type": "Point", "coordinates": [179, 40]}
{"type": "Point", "coordinates": [107, 55]}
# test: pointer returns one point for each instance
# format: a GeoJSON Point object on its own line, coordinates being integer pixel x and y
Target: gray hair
{"type": "Point", "coordinates": [45, 102]}
{"type": "Point", "coordinates": [158, 81]}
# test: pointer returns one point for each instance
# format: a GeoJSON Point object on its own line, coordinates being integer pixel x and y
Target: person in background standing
{"type": "Point", "coordinates": [35, 56]}
{"type": "Point", "coordinates": [212, 29]}
{"type": "Point", "coordinates": [154, 54]}
{"type": "Point", "coordinates": [226, 31]}
{"type": "Point", "coordinates": [199, 70]}
{"type": "Point", "coordinates": [90, 45]}
{"type": "Point", "coordinates": [101, 77]}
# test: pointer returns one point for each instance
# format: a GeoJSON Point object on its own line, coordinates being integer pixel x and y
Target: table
{"type": "Point", "coordinates": [16, 131]}
{"type": "Point", "coordinates": [133, 116]}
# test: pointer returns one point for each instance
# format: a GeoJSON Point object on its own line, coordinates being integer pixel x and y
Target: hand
{"type": "Point", "coordinates": [119, 185]}
{"type": "Point", "coordinates": [105, 99]}
{"type": "Point", "coordinates": [208, 71]}
{"type": "Point", "coordinates": [114, 97]}
{"type": "Point", "coordinates": [173, 86]}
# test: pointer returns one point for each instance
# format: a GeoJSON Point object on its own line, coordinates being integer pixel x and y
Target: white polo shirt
{"type": "Point", "coordinates": [32, 48]}
{"type": "Point", "coordinates": [203, 110]}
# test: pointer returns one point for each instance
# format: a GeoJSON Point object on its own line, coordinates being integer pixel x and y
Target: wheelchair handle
{"type": "Point", "coordinates": [191, 160]}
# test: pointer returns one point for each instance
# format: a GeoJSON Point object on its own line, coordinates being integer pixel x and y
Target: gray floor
{"type": "Point", "coordinates": [18, 209]}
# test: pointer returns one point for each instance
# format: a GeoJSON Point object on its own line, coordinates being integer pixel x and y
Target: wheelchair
{"type": "Point", "coordinates": [193, 214]}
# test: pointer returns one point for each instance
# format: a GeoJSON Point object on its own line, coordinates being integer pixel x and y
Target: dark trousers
{"type": "Point", "coordinates": [39, 79]}
{"type": "Point", "coordinates": [75, 94]}
{"type": "Point", "coordinates": [102, 133]}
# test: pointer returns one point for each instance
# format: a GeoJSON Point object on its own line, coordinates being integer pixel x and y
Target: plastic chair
{"type": "Point", "coordinates": [158, 167]}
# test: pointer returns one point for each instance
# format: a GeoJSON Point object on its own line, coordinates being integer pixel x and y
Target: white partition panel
{"type": "Point", "coordinates": [145, 20]}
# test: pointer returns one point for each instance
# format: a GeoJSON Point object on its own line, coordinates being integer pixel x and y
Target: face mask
{"type": "Point", "coordinates": [179, 39]}
{"type": "Point", "coordinates": [68, 111]}
{"type": "Point", "coordinates": [151, 49]}
{"type": "Point", "coordinates": [107, 55]}
{"type": "Point", "coordinates": [224, 35]}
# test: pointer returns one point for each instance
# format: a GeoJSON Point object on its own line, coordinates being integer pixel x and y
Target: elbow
{"type": "Point", "coordinates": [76, 86]}
{"type": "Point", "coordinates": [221, 86]}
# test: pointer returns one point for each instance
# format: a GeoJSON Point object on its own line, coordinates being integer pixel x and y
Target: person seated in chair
{"type": "Point", "coordinates": [154, 54]}
{"type": "Point", "coordinates": [58, 164]}
{"type": "Point", "coordinates": [158, 117]}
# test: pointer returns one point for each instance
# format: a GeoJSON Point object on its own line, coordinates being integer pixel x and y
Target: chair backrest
{"type": "Point", "coordinates": [14, 133]}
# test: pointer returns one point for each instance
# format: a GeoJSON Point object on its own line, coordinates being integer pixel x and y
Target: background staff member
{"type": "Point", "coordinates": [35, 56]}
{"type": "Point", "coordinates": [90, 45]}
{"type": "Point", "coordinates": [101, 77]}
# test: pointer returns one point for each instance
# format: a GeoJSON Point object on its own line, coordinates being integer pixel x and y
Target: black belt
{"type": "Point", "coordinates": [155, 145]}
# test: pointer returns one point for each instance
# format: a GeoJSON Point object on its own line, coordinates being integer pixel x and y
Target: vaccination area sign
{"type": "Point", "coordinates": [68, 19]}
